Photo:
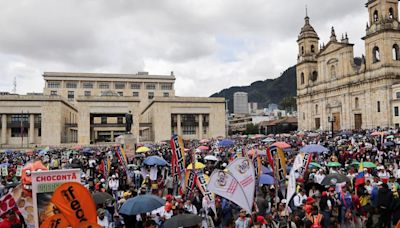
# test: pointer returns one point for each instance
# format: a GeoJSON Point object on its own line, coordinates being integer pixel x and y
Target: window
{"type": "Point", "coordinates": [302, 78]}
{"type": "Point", "coordinates": [104, 85]}
{"type": "Point", "coordinates": [391, 15]}
{"type": "Point", "coordinates": [39, 132]}
{"type": "Point", "coordinates": [356, 103]}
{"type": "Point", "coordinates": [333, 71]}
{"type": "Point", "coordinates": [395, 52]}
{"type": "Point", "coordinates": [378, 104]}
{"type": "Point", "coordinates": [304, 116]}
{"type": "Point", "coordinates": [104, 120]}
{"type": "Point", "coordinates": [312, 49]}
{"type": "Point", "coordinates": [396, 111]}
{"type": "Point", "coordinates": [53, 84]}
{"type": "Point", "coordinates": [302, 50]}
{"type": "Point", "coordinates": [376, 16]}
{"type": "Point", "coordinates": [165, 94]}
{"type": "Point", "coordinates": [53, 93]}
{"type": "Point", "coordinates": [316, 109]}
{"type": "Point", "coordinates": [135, 85]}
{"type": "Point", "coordinates": [189, 124]}
{"type": "Point", "coordinates": [87, 85]}
{"type": "Point", "coordinates": [314, 76]}
{"type": "Point", "coordinates": [120, 120]}
{"type": "Point", "coordinates": [375, 55]}
{"type": "Point", "coordinates": [397, 95]}
{"type": "Point", "coordinates": [151, 86]}
{"type": "Point", "coordinates": [397, 126]}
{"type": "Point", "coordinates": [166, 86]}
{"type": "Point", "coordinates": [135, 94]}
{"type": "Point", "coordinates": [88, 93]}
{"type": "Point", "coordinates": [71, 95]}
{"type": "Point", "coordinates": [151, 95]}
{"type": "Point", "coordinates": [121, 94]}
{"type": "Point", "coordinates": [71, 85]}
{"type": "Point", "coordinates": [19, 132]}
{"type": "Point", "coordinates": [18, 118]}
{"type": "Point", "coordinates": [120, 85]}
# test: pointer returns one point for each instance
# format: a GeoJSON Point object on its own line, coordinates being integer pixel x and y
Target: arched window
{"type": "Point", "coordinates": [395, 52]}
{"type": "Point", "coordinates": [376, 55]}
{"type": "Point", "coordinates": [356, 103]}
{"type": "Point", "coordinates": [312, 49]}
{"type": "Point", "coordinates": [333, 71]}
{"type": "Point", "coordinates": [391, 14]}
{"type": "Point", "coordinates": [314, 76]}
{"type": "Point", "coordinates": [376, 16]}
{"type": "Point", "coordinates": [316, 109]}
{"type": "Point", "coordinates": [304, 116]}
{"type": "Point", "coordinates": [302, 78]}
{"type": "Point", "coordinates": [302, 50]}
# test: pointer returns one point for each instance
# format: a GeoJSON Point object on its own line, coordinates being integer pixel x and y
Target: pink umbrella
{"type": "Point", "coordinates": [282, 145]}
{"type": "Point", "coordinates": [204, 141]}
{"type": "Point", "coordinates": [203, 148]}
{"type": "Point", "coordinates": [378, 133]}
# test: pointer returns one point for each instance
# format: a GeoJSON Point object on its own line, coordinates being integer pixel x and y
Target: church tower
{"type": "Point", "coordinates": [382, 39]}
{"type": "Point", "coordinates": [306, 68]}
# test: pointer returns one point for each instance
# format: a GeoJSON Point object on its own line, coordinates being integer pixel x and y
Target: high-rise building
{"type": "Point", "coordinates": [240, 103]}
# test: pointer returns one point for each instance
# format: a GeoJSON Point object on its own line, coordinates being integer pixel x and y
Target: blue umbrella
{"type": "Point", "coordinates": [42, 152]}
{"type": "Point", "coordinates": [314, 148]}
{"type": "Point", "coordinates": [141, 204]}
{"type": "Point", "coordinates": [389, 143]}
{"type": "Point", "coordinates": [266, 179]}
{"type": "Point", "coordinates": [226, 142]}
{"type": "Point", "coordinates": [8, 152]}
{"type": "Point", "coordinates": [266, 170]}
{"type": "Point", "coordinates": [155, 160]}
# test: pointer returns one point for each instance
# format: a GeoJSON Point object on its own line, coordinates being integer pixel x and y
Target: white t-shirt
{"type": "Point", "coordinates": [103, 223]}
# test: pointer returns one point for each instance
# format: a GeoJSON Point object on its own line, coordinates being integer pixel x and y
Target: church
{"type": "Point", "coordinates": [336, 90]}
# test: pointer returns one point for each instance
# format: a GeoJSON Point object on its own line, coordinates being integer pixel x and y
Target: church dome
{"type": "Point", "coordinates": [307, 31]}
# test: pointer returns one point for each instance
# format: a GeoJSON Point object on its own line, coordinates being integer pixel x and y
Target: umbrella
{"type": "Point", "coordinates": [266, 170]}
{"type": "Point", "coordinates": [378, 133]}
{"type": "Point", "coordinates": [252, 152]}
{"type": "Point", "coordinates": [355, 163]}
{"type": "Point", "coordinates": [203, 148]}
{"type": "Point", "coordinates": [313, 134]}
{"type": "Point", "coordinates": [101, 197]}
{"type": "Point", "coordinates": [77, 147]}
{"type": "Point", "coordinates": [197, 165]}
{"type": "Point", "coordinates": [183, 220]}
{"type": "Point", "coordinates": [314, 148]}
{"type": "Point", "coordinates": [258, 136]}
{"type": "Point", "coordinates": [268, 140]}
{"type": "Point", "coordinates": [155, 160]}
{"type": "Point", "coordinates": [365, 164]}
{"type": "Point", "coordinates": [390, 137]}
{"type": "Point", "coordinates": [204, 141]}
{"type": "Point", "coordinates": [141, 204]}
{"type": "Point", "coordinates": [226, 142]}
{"type": "Point", "coordinates": [210, 158]}
{"type": "Point", "coordinates": [313, 165]}
{"type": "Point", "coordinates": [389, 143]}
{"type": "Point", "coordinates": [333, 179]}
{"type": "Point", "coordinates": [142, 149]}
{"type": "Point", "coordinates": [282, 145]}
{"type": "Point", "coordinates": [334, 164]}
{"type": "Point", "coordinates": [266, 179]}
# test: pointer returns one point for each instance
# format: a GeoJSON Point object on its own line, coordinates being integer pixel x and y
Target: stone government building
{"type": "Point", "coordinates": [87, 108]}
{"type": "Point", "coordinates": [330, 83]}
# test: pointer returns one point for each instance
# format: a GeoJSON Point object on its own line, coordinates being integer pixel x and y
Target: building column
{"type": "Point", "coordinates": [200, 126]}
{"type": "Point", "coordinates": [31, 129]}
{"type": "Point", "coordinates": [112, 136]}
{"type": "Point", "coordinates": [178, 123]}
{"type": "Point", "coordinates": [3, 129]}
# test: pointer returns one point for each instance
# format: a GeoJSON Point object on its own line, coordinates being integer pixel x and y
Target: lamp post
{"type": "Point", "coordinates": [331, 119]}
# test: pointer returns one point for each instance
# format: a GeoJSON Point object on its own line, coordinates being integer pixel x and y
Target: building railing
{"type": "Point", "coordinates": [107, 125]}
{"type": "Point", "coordinates": [16, 124]}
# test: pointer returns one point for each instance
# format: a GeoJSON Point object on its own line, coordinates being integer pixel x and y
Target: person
{"type": "Point", "coordinates": [384, 201]}
{"type": "Point", "coordinates": [102, 220]}
{"type": "Point", "coordinates": [190, 208]}
{"type": "Point", "coordinates": [299, 198]}
{"type": "Point", "coordinates": [118, 222]}
{"type": "Point", "coordinates": [325, 206]}
{"type": "Point", "coordinates": [347, 206]}
{"type": "Point", "coordinates": [315, 218]}
{"type": "Point", "coordinates": [242, 221]}
{"type": "Point", "coordinates": [11, 219]}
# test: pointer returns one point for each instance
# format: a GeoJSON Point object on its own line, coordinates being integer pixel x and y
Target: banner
{"type": "Point", "coordinates": [178, 152]}
{"type": "Point", "coordinates": [257, 166]}
{"type": "Point", "coordinates": [243, 171]}
{"type": "Point", "coordinates": [201, 183]}
{"type": "Point", "coordinates": [76, 203]}
{"type": "Point", "coordinates": [271, 158]}
{"type": "Point", "coordinates": [291, 189]}
{"type": "Point", "coordinates": [224, 184]}
{"type": "Point", "coordinates": [190, 182]}
{"type": "Point", "coordinates": [121, 158]}
{"type": "Point", "coordinates": [280, 169]}
{"type": "Point", "coordinates": [55, 221]}
{"type": "Point", "coordinates": [18, 173]}
{"type": "Point", "coordinates": [4, 170]}
{"type": "Point", "coordinates": [306, 160]}
{"type": "Point", "coordinates": [44, 183]}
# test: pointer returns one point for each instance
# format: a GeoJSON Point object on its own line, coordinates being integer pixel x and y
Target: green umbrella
{"type": "Point", "coordinates": [369, 165]}
{"type": "Point", "coordinates": [390, 137]}
{"type": "Point", "coordinates": [313, 164]}
{"type": "Point", "coordinates": [355, 163]}
{"type": "Point", "coordinates": [334, 164]}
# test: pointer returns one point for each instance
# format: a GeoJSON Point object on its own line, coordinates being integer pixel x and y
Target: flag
{"type": "Point", "coordinates": [178, 154]}
{"type": "Point", "coordinates": [201, 183]}
{"type": "Point", "coordinates": [306, 160]}
{"type": "Point", "coordinates": [291, 189]}
{"type": "Point", "coordinates": [121, 158]}
{"type": "Point", "coordinates": [242, 170]}
{"type": "Point", "coordinates": [224, 184]}
{"type": "Point", "coordinates": [280, 169]}
{"type": "Point", "coordinates": [190, 182]}
{"type": "Point", "coordinates": [360, 178]}
{"type": "Point", "coordinates": [270, 157]}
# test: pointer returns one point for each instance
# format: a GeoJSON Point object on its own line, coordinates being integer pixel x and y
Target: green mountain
{"type": "Point", "coordinates": [266, 92]}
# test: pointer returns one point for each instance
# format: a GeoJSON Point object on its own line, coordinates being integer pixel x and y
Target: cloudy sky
{"type": "Point", "coordinates": [209, 44]}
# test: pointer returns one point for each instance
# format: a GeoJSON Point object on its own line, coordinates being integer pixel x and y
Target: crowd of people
{"type": "Point", "coordinates": [373, 202]}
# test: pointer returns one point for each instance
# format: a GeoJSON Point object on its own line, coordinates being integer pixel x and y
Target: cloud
{"type": "Point", "coordinates": [209, 44]}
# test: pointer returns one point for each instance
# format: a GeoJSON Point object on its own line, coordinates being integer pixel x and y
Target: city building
{"type": "Point", "coordinates": [352, 93]}
{"type": "Point", "coordinates": [253, 107]}
{"type": "Point", "coordinates": [240, 103]}
{"type": "Point", "coordinates": [87, 108]}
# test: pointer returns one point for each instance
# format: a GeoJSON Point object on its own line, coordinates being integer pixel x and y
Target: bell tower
{"type": "Point", "coordinates": [382, 39]}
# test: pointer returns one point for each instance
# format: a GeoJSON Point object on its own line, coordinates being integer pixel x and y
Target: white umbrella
{"type": "Point", "coordinates": [211, 158]}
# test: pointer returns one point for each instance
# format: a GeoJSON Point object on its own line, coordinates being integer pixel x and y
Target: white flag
{"type": "Point", "coordinates": [224, 184]}
{"type": "Point", "coordinates": [243, 171]}
{"type": "Point", "coordinates": [291, 189]}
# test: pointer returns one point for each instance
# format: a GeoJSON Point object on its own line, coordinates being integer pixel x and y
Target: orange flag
{"type": "Point", "coordinates": [55, 221]}
{"type": "Point", "coordinates": [76, 204]}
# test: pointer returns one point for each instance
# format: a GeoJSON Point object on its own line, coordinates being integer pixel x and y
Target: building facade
{"type": "Point", "coordinates": [353, 93]}
{"type": "Point", "coordinates": [240, 103]}
{"type": "Point", "coordinates": [87, 108]}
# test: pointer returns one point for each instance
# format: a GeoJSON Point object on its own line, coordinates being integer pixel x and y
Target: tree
{"type": "Point", "coordinates": [288, 104]}
{"type": "Point", "coordinates": [251, 129]}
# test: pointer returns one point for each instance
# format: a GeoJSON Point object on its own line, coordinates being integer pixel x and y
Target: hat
{"type": "Point", "coordinates": [168, 197]}
{"type": "Point", "coordinates": [168, 206]}
{"type": "Point", "coordinates": [102, 180]}
{"type": "Point", "coordinates": [331, 189]}
{"type": "Point", "coordinates": [113, 176]}
{"type": "Point", "coordinates": [261, 220]}
{"type": "Point", "coordinates": [310, 200]}
{"type": "Point", "coordinates": [283, 201]}
{"type": "Point", "coordinates": [379, 183]}
{"type": "Point", "coordinates": [224, 164]}
{"type": "Point", "coordinates": [324, 193]}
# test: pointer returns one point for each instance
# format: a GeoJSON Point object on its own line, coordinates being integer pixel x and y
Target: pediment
{"type": "Point", "coordinates": [332, 46]}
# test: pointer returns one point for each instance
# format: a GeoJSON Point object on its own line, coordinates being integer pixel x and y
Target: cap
{"type": "Point", "coordinates": [283, 201]}
{"type": "Point", "coordinates": [261, 220]}
{"type": "Point", "coordinates": [310, 200]}
{"type": "Point", "coordinates": [331, 189]}
{"type": "Point", "coordinates": [324, 193]}
{"type": "Point", "coordinates": [379, 183]}
{"type": "Point", "coordinates": [113, 176]}
{"type": "Point", "coordinates": [168, 206]}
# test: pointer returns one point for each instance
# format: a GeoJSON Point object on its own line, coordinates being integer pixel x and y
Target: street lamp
{"type": "Point", "coordinates": [331, 119]}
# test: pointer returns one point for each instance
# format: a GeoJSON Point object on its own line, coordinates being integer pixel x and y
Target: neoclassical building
{"type": "Point", "coordinates": [358, 93]}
